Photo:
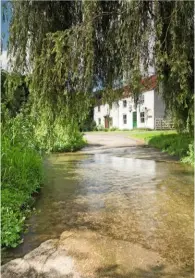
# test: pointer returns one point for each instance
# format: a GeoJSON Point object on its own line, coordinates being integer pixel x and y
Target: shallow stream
{"type": "Point", "coordinates": [123, 194]}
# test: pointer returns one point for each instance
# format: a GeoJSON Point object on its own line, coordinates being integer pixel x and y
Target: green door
{"type": "Point", "coordinates": [134, 119]}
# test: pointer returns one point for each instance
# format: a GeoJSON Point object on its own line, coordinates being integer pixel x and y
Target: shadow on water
{"type": "Point", "coordinates": [152, 272]}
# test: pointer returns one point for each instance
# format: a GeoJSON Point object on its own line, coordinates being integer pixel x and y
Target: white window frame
{"type": "Point", "coordinates": [99, 108]}
{"type": "Point", "coordinates": [124, 101]}
{"type": "Point", "coordinates": [125, 119]}
{"type": "Point", "coordinates": [99, 121]}
{"type": "Point", "coordinates": [142, 118]}
{"type": "Point", "coordinates": [141, 99]}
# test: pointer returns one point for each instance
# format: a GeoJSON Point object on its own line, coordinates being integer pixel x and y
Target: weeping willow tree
{"type": "Point", "coordinates": [71, 47]}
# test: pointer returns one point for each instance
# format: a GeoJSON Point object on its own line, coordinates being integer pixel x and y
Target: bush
{"type": "Point", "coordinates": [190, 155]}
{"type": "Point", "coordinates": [59, 138]}
{"type": "Point", "coordinates": [100, 128]}
{"type": "Point", "coordinates": [88, 126]}
{"type": "Point", "coordinates": [142, 129]}
{"type": "Point", "coordinates": [69, 143]}
{"type": "Point", "coordinates": [113, 128]}
{"type": "Point", "coordinates": [12, 222]}
{"type": "Point", "coordinates": [22, 168]}
{"type": "Point", "coordinates": [22, 175]}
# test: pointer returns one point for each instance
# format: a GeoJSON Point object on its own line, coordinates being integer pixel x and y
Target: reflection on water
{"type": "Point", "coordinates": [115, 194]}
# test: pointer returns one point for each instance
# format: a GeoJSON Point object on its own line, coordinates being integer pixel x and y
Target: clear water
{"type": "Point", "coordinates": [123, 194]}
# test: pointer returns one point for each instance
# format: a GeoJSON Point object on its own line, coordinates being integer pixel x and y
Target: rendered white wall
{"type": "Point", "coordinates": [125, 110]}
{"type": "Point", "coordinates": [149, 113]}
{"type": "Point", "coordinates": [159, 109]}
{"type": "Point", "coordinates": [152, 102]}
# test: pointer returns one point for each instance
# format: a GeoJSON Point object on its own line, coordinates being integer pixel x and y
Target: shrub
{"type": "Point", "coordinates": [88, 126]}
{"type": "Point", "coordinates": [113, 128]}
{"type": "Point", "coordinates": [22, 167]}
{"type": "Point", "coordinates": [100, 128]}
{"type": "Point", "coordinates": [69, 144]}
{"type": "Point", "coordinates": [12, 222]}
{"type": "Point", "coordinates": [22, 175]}
{"type": "Point", "coordinates": [142, 129]}
{"type": "Point", "coordinates": [62, 139]}
{"type": "Point", "coordinates": [189, 158]}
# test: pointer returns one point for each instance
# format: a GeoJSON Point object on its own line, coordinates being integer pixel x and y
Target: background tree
{"type": "Point", "coordinates": [14, 92]}
{"type": "Point", "coordinates": [70, 47]}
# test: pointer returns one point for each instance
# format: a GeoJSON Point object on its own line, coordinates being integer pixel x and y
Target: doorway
{"type": "Point", "coordinates": [106, 122]}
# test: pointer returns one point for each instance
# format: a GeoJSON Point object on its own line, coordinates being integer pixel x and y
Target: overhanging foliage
{"type": "Point", "coordinates": [72, 46]}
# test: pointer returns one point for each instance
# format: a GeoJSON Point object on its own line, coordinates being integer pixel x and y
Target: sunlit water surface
{"type": "Point", "coordinates": [115, 194]}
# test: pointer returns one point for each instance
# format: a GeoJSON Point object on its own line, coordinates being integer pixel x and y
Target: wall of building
{"type": "Point", "coordinates": [152, 107]}
{"type": "Point", "coordinates": [125, 111]}
{"type": "Point", "coordinates": [148, 108]}
{"type": "Point", "coordinates": [114, 114]}
{"type": "Point", "coordinates": [159, 109]}
{"type": "Point", "coordinates": [99, 115]}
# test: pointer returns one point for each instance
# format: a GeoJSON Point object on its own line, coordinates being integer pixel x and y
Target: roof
{"type": "Point", "coordinates": [148, 84]}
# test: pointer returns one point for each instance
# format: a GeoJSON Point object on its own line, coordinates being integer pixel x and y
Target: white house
{"type": "Point", "coordinates": [123, 114]}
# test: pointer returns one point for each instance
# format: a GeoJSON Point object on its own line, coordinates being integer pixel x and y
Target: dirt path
{"type": "Point", "coordinates": [108, 142]}
{"type": "Point", "coordinates": [105, 140]}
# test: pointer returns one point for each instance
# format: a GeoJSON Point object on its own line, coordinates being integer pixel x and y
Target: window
{"type": "Point", "coordinates": [141, 99]}
{"type": "Point", "coordinates": [124, 119]}
{"type": "Point", "coordinates": [142, 117]}
{"type": "Point", "coordinates": [99, 121]}
{"type": "Point", "coordinates": [124, 103]}
{"type": "Point", "coordinates": [98, 108]}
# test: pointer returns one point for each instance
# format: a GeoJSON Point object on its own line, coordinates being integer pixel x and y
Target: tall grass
{"type": "Point", "coordinates": [22, 175]}
{"type": "Point", "coordinates": [179, 144]}
{"type": "Point", "coordinates": [174, 144]}
{"type": "Point", "coordinates": [22, 168]}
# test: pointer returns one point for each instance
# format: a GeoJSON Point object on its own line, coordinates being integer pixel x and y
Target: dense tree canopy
{"type": "Point", "coordinates": [71, 47]}
{"type": "Point", "coordinates": [14, 92]}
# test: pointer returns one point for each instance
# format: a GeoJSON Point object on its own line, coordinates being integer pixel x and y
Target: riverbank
{"type": "Point", "coordinates": [22, 173]}
{"type": "Point", "coordinates": [22, 176]}
{"type": "Point", "coordinates": [168, 141]}
{"type": "Point", "coordinates": [180, 145]}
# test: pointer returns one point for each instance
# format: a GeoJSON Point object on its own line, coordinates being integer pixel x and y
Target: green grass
{"type": "Point", "coordinates": [147, 135]}
{"type": "Point", "coordinates": [171, 142]}
{"type": "Point", "coordinates": [22, 171]}
{"type": "Point", "coordinates": [21, 176]}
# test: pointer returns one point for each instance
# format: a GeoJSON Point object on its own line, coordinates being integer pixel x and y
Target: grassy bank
{"type": "Point", "coordinates": [171, 142]}
{"type": "Point", "coordinates": [22, 171]}
{"type": "Point", "coordinates": [22, 176]}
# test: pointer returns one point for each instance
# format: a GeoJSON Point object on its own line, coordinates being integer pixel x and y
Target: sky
{"type": "Point", "coordinates": [4, 35]}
